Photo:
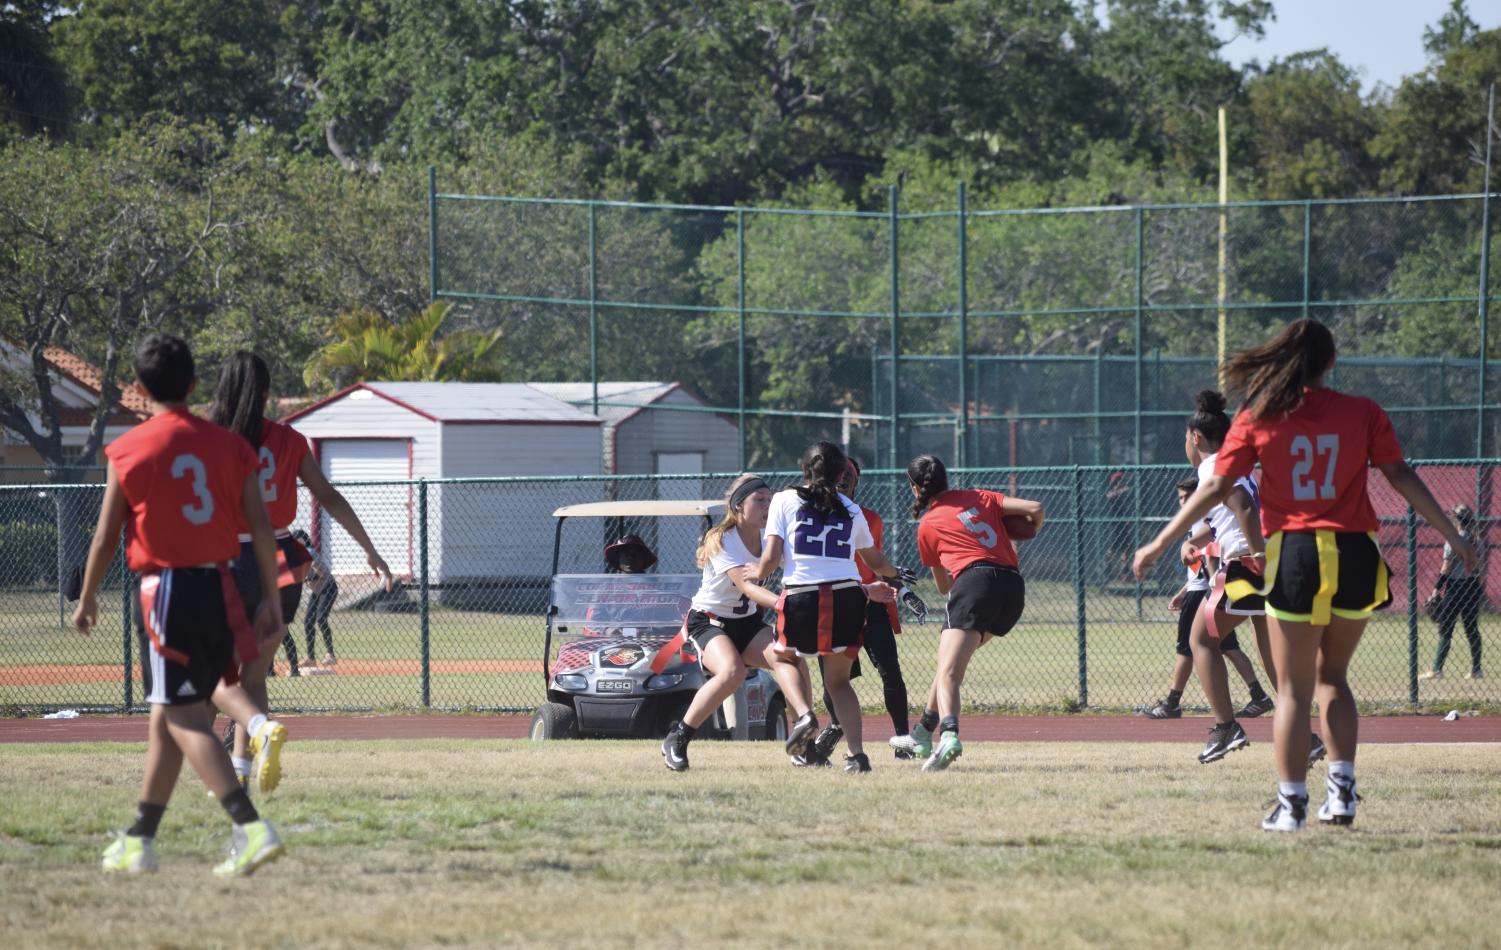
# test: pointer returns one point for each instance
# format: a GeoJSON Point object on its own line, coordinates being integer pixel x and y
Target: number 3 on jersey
{"type": "Point", "coordinates": [984, 533]}
{"type": "Point", "coordinates": [202, 512]}
{"type": "Point", "coordinates": [1304, 450]}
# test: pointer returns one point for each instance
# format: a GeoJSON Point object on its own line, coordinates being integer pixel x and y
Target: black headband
{"type": "Point", "coordinates": [745, 491]}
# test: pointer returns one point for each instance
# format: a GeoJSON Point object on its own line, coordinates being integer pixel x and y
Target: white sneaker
{"type": "Point", "coordinates": [905, 746]}
{"type": "Point", "coordinates": [131, 855]}
{"type": "Point", "coordinates": [1339, 802]}
{"type": "Point", "coordinates": [922, 741]}
{"type": "Point", "coordinates": [1289, 814]}
{"type": "Point", "coordinates": [265, 751]}
{"type": "Point", "coordinates": [949, 749]}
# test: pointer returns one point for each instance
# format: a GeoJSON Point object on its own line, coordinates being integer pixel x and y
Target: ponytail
{"type": "Point", "coordinates": [823, 467]}
{"type": "Point", "coordinates": [1270, 378]}
{"type": "Point", "coordinates": [240, 400]}
{"type": "Point", "coordinates": [928, 475]}
{"type": "Point", "coordinates": [1209, 419]}
{"type": "Point", "coordinates": [713, 540]}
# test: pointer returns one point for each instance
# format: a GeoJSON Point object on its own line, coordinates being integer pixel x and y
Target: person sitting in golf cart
{"type": "Point", "coordinates": [630, 555]}
{"type": "Point", "coordinates": [627, 608]}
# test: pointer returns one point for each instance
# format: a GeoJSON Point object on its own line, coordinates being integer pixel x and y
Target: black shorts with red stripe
{"type": "Point", "coordinates": [190, 642]}
{"type": "Point", "coordinates": [822, 619]}
{"type": "Point", "coordinates": [292, 560]}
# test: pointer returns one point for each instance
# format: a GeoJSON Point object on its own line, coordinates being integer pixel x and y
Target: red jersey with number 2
{"type": "Point", "coordinates": [278, 461]}
{"type": "Point", "coordinates": [963, 526]}
{"type": "Point", "coordinates": [182, 477]}
{"type": "Point", "coordinates": [1313, 461]}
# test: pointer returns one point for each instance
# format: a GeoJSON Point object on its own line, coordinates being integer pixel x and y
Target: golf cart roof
{"type": "Point", "coordinates": [647, 509]}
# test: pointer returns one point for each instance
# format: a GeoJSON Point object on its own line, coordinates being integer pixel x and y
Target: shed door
{"type": "Point", "coordinates": [385, 510]}
{"type": "Point", "coordinates": [677, 538]}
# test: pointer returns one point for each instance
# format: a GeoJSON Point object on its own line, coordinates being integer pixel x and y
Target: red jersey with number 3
{"type": "Point", "coordinates": [1313, 461]}
{"type": "Point", "coordinates": [182, 477]}
{"type": "Point", "coordinates": [963, 526]}
{"type": "Point", "coordinates": [278, 461]}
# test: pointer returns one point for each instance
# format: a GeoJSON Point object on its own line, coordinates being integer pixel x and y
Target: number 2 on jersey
{"type": "Point", "coordinates": [268, 473]}
{"type": "Point", "coordinates": [821, 535]}
{"type": "Point", "coordinates": [984, 533]}
{"type": "Point", "coordinates": [1304, 450]}
{"type": "Point", "coordinates": [202, 512]}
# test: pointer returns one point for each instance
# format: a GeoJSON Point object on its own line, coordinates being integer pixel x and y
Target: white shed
{"type": "Point", "coordinates": [381, 431]}
{"type": "Point", "coordinates": [661, 429]}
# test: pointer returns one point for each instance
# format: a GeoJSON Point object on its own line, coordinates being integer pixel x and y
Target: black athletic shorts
{"type": "Point", "coordinates": [1247, 605]}
{"type": "Point", "coordinates": [822, 620]}
{"type": "Point", "coordinates": [1193, 602]}
{"type": "Point", "coordinates": [191, 645]}
{"type": "Point", "coordinates": [1319, 574]}
{"type": "Point", "coordinates": [291, 564]}
{"type": "Point", "coordinates": [986, 597]}
{"type": "Point", "coordinates": [703, 628]}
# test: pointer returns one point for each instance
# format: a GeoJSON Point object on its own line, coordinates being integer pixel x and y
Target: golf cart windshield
{"type": "Point", "coordinates": [588, 604]}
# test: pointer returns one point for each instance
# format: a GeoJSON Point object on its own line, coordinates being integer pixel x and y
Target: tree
{"type": "Point", "coordinates": [1312, 128]}
{"type": "Point", "coordinates": [367, 346]}
{"type": "Point", "coordinates": [1454, 30]}
{"type": "Point", "coordinates": [34, 95]}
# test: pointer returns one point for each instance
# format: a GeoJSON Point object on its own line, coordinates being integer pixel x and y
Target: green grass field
{"type": "Point", "coordinates": [595, 843]}
{"type": "Point", "coordinates": [1128, 659]}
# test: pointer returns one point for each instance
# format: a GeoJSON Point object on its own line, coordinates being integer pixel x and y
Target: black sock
{"type": "Point", "coordinates": [949, 724]}
{"type": "Point", "coordinates": [688, 731]}
{"type": "Point", "coordinates": [1173, 696]}
{"type": "Point", "coordinates": [1224, 725]}
{"type": "Point", "coordinates": [929, 720]}
{"type": "Point", "coordinates": [1257, 693]}
{"type": "Point", "coordinates": [148, 816]}
{"type": "Point", "coordinates": [237, 803]}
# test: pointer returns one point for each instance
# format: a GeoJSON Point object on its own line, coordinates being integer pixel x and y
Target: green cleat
{"type": "Point", "coordinates": [949, 749]}
{"type": "Point", "coordinates": [131, 855]}
{"type": "Point", "coordinates": [253, 845]}
{"type": "Point", "coordinates": [265, 752]}
{"type": "Point", "coordinates": [922, 741]}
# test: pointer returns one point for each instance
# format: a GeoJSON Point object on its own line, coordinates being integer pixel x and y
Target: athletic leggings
{"type": "Point", "coordinates": [1461, 601]}
{"type": "Point", "coordinates": [880, 646]}
{"type": "Point", "coordinates": [320, 605]}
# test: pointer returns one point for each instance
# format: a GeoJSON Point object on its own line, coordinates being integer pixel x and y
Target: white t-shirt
{"type": "Point", "coordinates": [717, 594]}
{"type": "Point", "coordinates": [817, 548]}
{"type": "Point", "coordinates": [1197, 580]}
{"type": "Point", "coordinates": [1221, 520]}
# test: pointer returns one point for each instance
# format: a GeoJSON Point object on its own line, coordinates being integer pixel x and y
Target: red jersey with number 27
{"type": "Point", "coordinates": [1313, 461]}
{"type": "Point", "coordinates": [278, 461]}
{"type": "Point", "coordinates": [182, 477]}
{"type": "Point", "coordinates": [961, 527]}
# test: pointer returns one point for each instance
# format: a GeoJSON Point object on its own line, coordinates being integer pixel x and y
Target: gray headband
{"type": "Point", "coordinates": [745, 491]}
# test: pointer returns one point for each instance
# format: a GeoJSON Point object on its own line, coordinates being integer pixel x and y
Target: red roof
{"type": "Point", "coordinates": [135, 406]}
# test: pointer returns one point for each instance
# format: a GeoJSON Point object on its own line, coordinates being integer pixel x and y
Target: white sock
{"type": "Point", "coordinates": [1345, 771]}
{"type": "Point", "coordinates": [242, 766]}
{"type": "Point", "coordinates": [1291, 790]}
{"type": "Point", "coordinates": [256, 722]}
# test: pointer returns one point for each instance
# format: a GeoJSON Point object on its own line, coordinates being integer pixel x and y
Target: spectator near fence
{"type": "Point", "coordinates": [1456, 596]}
{"type": "Point", "coordinates": [323, 592]}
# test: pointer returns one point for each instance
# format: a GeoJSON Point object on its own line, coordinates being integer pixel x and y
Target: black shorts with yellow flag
{"type": "Point", "coordinates": [1312, 576]}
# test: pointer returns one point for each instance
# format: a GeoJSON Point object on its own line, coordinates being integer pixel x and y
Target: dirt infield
{"type": "Point", "coordinates": [877, 729]}
{"type": "Point", "coordinates": [54, 675]}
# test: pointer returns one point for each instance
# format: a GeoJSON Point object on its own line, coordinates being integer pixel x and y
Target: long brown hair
{"type": "Point", "coordinates": [823, 467]}
{"type": "Point", "coordinates": [713, 540]}
{"type": "Point", "coordinates": [240, 401]}
{"type": "Point", "coordinates": [930, 476]}
{"type": "Point", "coordinates": [1270, 378]}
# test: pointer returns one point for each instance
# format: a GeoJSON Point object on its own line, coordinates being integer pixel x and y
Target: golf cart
{"type": "Point", "coordinates": [622, 669]}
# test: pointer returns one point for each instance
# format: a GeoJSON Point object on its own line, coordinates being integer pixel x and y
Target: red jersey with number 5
{"type": "Point", "coordinates": [182, 477]}
{"type": "Point", "coordinates": [963, 526]}
{"type": "Point", "coordinates": [278, 461]}
{"type": "Point", "coordinates": [1313, 461]}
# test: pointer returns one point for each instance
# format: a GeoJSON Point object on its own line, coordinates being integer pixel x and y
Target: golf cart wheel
{"type": "Point", "coordinates": [554, 721]}
{"type": "Point", "coordinates": [776, 719]}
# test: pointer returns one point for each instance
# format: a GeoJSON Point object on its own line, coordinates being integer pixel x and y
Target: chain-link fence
{"type": "Point", "coordinates": [465, 627]}
{"type": "Point", "coordinates": [1039, 337]}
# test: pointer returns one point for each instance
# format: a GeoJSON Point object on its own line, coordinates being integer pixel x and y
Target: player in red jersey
{"type": "Point", "coordinates": [282, 457]}
{"type": "Point", "coordinates": [1324, 573]}
{"type": "Point", "coordinates": [962, 538]}
{"type": "Point", "coordinates": [178, 485]}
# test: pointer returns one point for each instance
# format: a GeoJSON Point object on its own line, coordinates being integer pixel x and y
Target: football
{"type": "Point", "coordinates": [1019, 527]}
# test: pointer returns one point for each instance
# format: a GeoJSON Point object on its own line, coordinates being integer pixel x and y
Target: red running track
{"type": "Point", "coordinates": [877, 728]}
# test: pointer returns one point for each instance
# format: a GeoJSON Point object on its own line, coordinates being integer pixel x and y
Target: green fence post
{"type": "Point", "coordinates": [1079, 586]}
{"type": "Point", "coordinates": [740, 334]}
{"type": "Point", "coordinates": [896, 343]}
{"type": "Point", "coordinates": [125, 625]}
{"type": "Point", "coordinates": [593, 309]}
{"type": "Point", "coordinates": [1412, 606]}
{"type": "Point", "coordinates": [432, 233]}
{"type": "Point", "coordinates": [422, 597]}
{"type": "Point", "coordinates": [963, 327]}
{"type": "Point", "coordinates": [1136, 420]}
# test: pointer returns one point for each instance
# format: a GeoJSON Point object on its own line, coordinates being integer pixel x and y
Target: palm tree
{"type": "Point", "coordinates": [368, 346]}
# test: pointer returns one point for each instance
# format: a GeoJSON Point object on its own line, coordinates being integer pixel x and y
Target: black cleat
{"type": "Point", "coordinates": [1316, 749]}
{"type": "Point", "coordinates": [1222, 741]}
{"type": "Point", "coordinates": [801, 737]}
{"type": "Point", "coordinates": [1165, 710]}
{"type": "Point", "coordinates": [828, 739]}
{"type": "Point", "coordinates": [856, 763]}
{"type": "Point", "coordinates": [1257, 707]}
{"type": "Point", "coordinates": [675, 749]}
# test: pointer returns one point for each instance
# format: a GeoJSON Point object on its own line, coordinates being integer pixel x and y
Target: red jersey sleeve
{"type": "Point", "coordinates": [927, 543]}
{"type": "Point", "coordinates": [1382, 441]}
{"type": "Point", "coordinates": [1238, 455]}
